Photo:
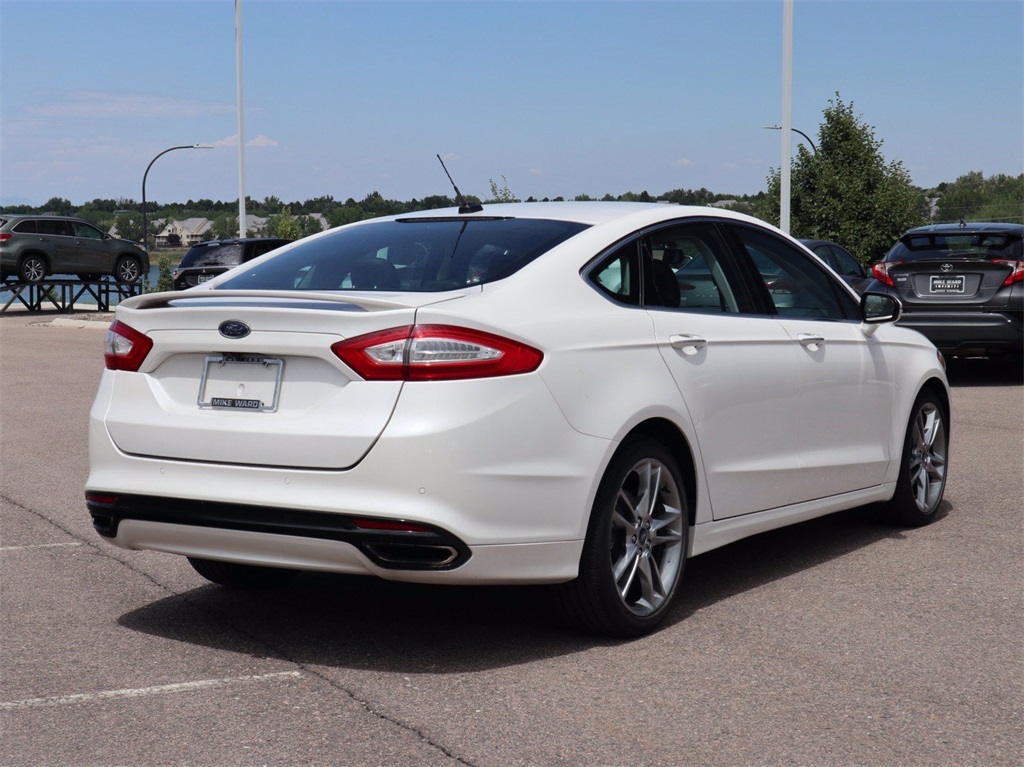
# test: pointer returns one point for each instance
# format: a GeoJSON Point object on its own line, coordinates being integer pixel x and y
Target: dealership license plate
{"type": "Point", "coordinates": [204, 278]}
{"type": "Point", "coordinates": [946, 284]}
{"type": "Point", "coordinates": [239, 382]}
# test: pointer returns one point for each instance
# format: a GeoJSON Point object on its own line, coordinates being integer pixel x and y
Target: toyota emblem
{"type": "Point", "coordinates": [234, 329]}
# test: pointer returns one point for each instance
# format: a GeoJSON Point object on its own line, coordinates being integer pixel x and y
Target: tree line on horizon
{"type": "Point", "coordinates": [843, 191]}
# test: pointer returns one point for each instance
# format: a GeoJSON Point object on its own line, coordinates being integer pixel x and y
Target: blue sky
{"type": "Point", "coordinates": [557, 98]}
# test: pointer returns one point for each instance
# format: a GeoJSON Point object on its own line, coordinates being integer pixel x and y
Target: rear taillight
{"type": "Point", "coordinates": [880, 272]}
{"type": "Point", "coordinates": [435, 353]}
{"type": "Point", "coordinates": [124, 347]}
{"type": "Point", "coordinates": [1016, 271]}
{"type": "Point", "coordinates": [5, 236]}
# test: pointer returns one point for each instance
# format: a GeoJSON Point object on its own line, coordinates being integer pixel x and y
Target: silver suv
{"type": "Point", "coordinates": [33, 247]}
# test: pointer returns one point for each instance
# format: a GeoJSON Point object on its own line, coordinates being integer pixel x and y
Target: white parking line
{"type": "Point", "coordinates": [37, 546]}
{"type": "Point", "coordinates": [139, 692]}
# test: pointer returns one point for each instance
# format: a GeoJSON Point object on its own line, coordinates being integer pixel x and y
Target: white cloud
{"type": "Point", "coordinates": [682, 163]}
{"type": "Point", "coordinates": [232, 141]}
{"type": "Point", "coordinates": [536, 172]}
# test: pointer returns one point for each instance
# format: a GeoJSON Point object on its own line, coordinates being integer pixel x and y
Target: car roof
{"type": "Point", "coordinates": [232, 240]}
{"type": "Point", "coordinates": [591, 212]}
{"type": "Point", "coordinates": [8, 216]}
{"type": "Point", "coordinates": [968, 227]}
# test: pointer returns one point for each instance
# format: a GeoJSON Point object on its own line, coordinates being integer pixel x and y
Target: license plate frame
{"type": "Point", "coordinates": [946, 284]}
{"type": "Point", "coordinates": [228, 377]}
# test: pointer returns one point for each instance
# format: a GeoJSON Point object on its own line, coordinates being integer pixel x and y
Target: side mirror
{"type": "Point", "coordinates": [877, 308]}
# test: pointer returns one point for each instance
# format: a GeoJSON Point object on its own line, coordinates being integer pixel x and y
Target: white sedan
{"type": "Point", "coordinates": [581, 394]}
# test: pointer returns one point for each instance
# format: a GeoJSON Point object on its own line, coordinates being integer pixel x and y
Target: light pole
{"type": "Point", "coordinates": [814, 149]}
{"type": "Point", "coordinates": [145, 232]}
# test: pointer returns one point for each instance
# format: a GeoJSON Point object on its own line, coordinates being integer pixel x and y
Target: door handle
{"type": "Point", "coordinates": [810, 340]}
{"type": "Point", "coordinates": [685, 342]}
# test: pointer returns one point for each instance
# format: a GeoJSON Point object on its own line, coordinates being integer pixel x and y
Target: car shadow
{"type": "Point", "coordinates": [981, 371]}
{"type": "Point", "coordinates": [368, 624]}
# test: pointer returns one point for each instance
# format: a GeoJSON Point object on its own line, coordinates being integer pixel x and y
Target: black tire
{"type": "Point", "coordinates": [238, 576]}
{"type": "Point", "coordinates": [128, 270]}
{"type": "Point", "coordinates": [32, 269]}
{"type": "Point", "coordinates": [635, 550]}
{"type": "Point", "coordinates": [922, 479]}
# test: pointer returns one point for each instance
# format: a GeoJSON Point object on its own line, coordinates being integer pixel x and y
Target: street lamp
{"type": "Point", "coordinates": [779, 127]}
{"type": "Point", "coordinates": [145, 232]}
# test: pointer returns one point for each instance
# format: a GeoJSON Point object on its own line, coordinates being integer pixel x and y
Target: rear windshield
{"type": "Point", "coordinates": [999, 245]}
{"type": "Point", "coordinates": [214, 254]}
{"type": "Point", "coordinates": [415, 255]}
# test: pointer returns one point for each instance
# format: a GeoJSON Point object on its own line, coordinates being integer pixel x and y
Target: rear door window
{"type": "Point", "coordinates": [795, 285]}
{"type": "Point", "coordinates": [50, 226]}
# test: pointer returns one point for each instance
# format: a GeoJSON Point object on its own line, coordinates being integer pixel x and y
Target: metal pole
{"type": "Point", "coordinates": [814, 149]}
{"type": "Point", "coordinates": [787, 114]}
{"type": "Point", "coordinates": [145, 231]}
{"type": "Point", "coordinates": [241, 119]}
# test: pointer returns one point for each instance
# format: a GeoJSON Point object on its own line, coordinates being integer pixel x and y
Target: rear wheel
{"type": "Point", "coordinates": [922, 479]}
{"type": "Point", "coordinates": [32, 269]}
{"type": "Point", "coordinates": [239, 576]}
{"type": "Point", "coordinates": [128, 270]}
{"type": "Point", "coordinates": [635, 549]}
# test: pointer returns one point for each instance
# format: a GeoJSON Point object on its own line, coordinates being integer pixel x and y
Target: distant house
{"type": "Point", "coordinates": [185, 233]}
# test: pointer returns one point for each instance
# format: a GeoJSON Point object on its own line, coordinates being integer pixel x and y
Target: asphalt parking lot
{"type": "Point", "coordinates": [842, 641]}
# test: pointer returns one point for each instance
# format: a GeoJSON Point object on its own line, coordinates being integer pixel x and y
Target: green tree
{"type": "Point", "coordinates": [129, 226]}
{"type": "Point", "coordinates": [224, 226]}
{"type": "Point", "coordinates": [502, 193]}
{"type": "Point", "coordinates": [847, 192]}
{"type": "Point", "coordinates": [972, 197]}
{"type": "Point", "coordinates": [59, 205]}
{"type": "Point", "coordinates": [284, 225]}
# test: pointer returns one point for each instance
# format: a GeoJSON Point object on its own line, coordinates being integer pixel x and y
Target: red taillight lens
{"type": "Point", "coordinates": [435, 353]}
{"type": "Point", "coordinates": [1016, 271]}
{"type": "Point", "coordinates": [107, 499]}
{"type": "Point", "coordinates": [124, 347]}
{"type": "Point", "coordinates": [880, 272]}
{"type": "Point", "coordinates": [5, 236]}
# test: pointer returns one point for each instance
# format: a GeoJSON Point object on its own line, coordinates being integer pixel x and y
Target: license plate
{"type": "Point", "coordinates": [943, 284]}
{"type": "Point", "coordinates": [240, 382]}
{"type": "Point", "coordinates": [204, 278]}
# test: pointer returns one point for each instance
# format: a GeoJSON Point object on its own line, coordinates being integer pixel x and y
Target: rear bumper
{"type": "Point", "coordinates": [506, 485]}
{"type": "Point", "coordinates": [963, 332]}
{"type": "Point", "coordinates": [528, 563]}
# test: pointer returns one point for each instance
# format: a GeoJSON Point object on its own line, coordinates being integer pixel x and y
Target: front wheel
{"type": "Point", "coordinates": [239, 576]}
{"type": "Point", "coordinates": [128, 270]}
{"type": "Point", "coordinates": [635, 549]}
{"type": "Point", "coordinates": [922, 479]}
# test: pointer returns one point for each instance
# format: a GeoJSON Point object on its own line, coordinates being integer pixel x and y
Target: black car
{"type": "Point", "coordinates": [961, 285]}
{"type": "Point", "coordinates": [206, 260]}
{"type": "Point", "coordinates": [842, 262]}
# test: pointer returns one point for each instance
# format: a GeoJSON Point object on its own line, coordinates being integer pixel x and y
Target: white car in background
{"type": "Point", "coordinates": [582, 394]}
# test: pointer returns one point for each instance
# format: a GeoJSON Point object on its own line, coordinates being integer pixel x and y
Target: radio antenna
{"type": "Point", "coordinates": [464, 207]}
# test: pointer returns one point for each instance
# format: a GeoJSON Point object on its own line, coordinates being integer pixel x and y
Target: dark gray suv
{"type": "Point", "coordinates": [34, 247]}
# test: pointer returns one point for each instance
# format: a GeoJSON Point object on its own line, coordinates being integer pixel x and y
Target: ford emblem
{"type": "Point", "coordinates": [234, 329]}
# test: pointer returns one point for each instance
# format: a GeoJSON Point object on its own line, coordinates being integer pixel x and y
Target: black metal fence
{"type": "Point", "coordinates": [66, 295]}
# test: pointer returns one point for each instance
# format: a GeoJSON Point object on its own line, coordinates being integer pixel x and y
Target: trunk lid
{"type": "Point", "coordinates": [249, 378]}
{"type": "Point", "coordinates": [950, 281]}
